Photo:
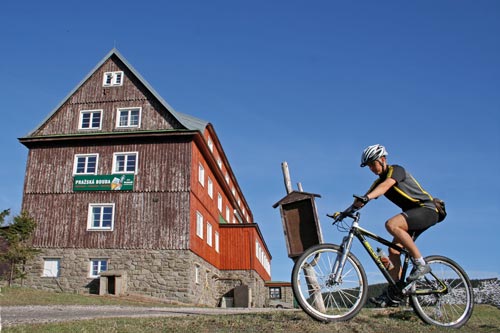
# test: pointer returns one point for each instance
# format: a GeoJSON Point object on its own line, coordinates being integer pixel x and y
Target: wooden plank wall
{"type": "Point", "coordinates": [145, 220]}
{"type": "Point", "coordinates": [207, 206]}
{"type": "Point", "coordinates": [162, 166]}
{"type": "Point", "coordinates": [238, 248]}
{"type": "Point", "coordinates": [156, 213]}
{"type": "Point", "coordinates": [92, 95]}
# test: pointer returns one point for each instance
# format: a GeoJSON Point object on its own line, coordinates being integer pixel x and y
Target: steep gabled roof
{"type": "Point", "coordinates": [189, 122]}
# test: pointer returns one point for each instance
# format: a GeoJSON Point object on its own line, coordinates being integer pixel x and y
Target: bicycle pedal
{"type": "Point", "coordinates": [406, 290]}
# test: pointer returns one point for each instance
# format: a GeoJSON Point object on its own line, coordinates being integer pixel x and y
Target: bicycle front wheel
{"type": "Point", "coordinates": [451, 308]}
{"type": "Point", "coordinates": [316, 291]}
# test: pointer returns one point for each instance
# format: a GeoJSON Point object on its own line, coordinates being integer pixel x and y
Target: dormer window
{"type": "Point", "coordinates": [112, 79]}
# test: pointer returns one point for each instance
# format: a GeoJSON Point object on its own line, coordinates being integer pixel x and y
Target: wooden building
{"type": "Point", "coordinates": [119, 181]}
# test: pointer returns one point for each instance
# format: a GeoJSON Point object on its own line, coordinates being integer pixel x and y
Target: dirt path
{"type": "Point", "coordinates": [15, 315]}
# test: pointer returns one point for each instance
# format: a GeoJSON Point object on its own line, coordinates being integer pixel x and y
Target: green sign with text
{"type": "Point", "coordinates": [103, 182]}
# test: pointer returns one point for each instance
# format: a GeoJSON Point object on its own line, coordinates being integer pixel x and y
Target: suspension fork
{"type": "Point", "coordinates": [345, 249]}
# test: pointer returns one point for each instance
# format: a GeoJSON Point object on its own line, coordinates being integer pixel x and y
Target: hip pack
{"type": "Point", "coordinates": [441, 208]}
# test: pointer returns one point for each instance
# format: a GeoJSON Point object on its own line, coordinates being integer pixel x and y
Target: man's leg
{"type": "Point", "coordinates": [385, 299]}
{"type": "Point", "coordinates": [398, 227]}
{"type": "Point", "coordinates": [395, 258]}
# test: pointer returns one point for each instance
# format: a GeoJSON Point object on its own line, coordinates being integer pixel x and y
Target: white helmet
{"type": "Point", "coordinates": [372, 153]}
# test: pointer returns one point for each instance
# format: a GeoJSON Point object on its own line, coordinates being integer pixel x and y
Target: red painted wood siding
{"type": "Point", "coordinates": [207, 206]}
{"type": "Point", "coordinates": [239, 251]}
{"type": "Point", "coordinates": [237, 241]}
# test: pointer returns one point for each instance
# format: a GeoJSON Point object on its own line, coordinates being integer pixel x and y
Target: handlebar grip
{"type": "Point", "coordinates": [363, 198]}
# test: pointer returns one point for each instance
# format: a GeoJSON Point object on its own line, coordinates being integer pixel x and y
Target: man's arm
{"type": "Point", "coordinates": [381, 188]}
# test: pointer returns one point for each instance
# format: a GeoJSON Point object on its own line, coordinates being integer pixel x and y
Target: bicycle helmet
{"type": "Point", "coordinates": [372, 153]}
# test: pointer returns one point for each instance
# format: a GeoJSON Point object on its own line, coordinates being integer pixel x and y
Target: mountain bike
{"type": "Point", "coordinates": [330, 283]}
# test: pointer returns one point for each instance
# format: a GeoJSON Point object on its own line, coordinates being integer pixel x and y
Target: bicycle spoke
{"type": "Point", "coordinates": [451, 307]}
{"type": "Point", "coordinates": [318, 293]}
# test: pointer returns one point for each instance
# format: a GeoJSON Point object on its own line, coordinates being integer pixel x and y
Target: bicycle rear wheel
{"type": "Point", "coordinates": [452, 308]}
{"type": "Point", "coordinates": [316, 292]}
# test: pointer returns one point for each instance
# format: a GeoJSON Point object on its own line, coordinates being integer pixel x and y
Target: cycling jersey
{"type": "Point", "coordinates": [407, 192]}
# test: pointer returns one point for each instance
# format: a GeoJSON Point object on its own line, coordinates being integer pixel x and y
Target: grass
{"type": "Point", "coordinates": [485, 319]}
{"type": "Point", "coordinates": [23, 296]}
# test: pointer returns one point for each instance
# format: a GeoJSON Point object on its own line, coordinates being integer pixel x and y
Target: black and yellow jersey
{"type": "Point", "coordinates": [407, 192]}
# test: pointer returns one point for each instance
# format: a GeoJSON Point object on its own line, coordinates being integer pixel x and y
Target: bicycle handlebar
{"type": "Point", "coordinates": [348, 212]}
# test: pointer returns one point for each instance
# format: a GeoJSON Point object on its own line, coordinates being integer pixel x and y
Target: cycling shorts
{"type": "Point", "coordinates": [420, 219]}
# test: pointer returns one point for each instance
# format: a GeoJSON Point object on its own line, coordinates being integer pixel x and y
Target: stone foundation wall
{"type": "Point", "coordinates": [250, 278]}
{"type": "Point", "coordinates": [287, 295]}
{"type": "Point", "coordinates": [174, 275]}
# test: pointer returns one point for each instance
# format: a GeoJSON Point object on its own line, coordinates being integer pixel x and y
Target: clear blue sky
{"type": "Point", "coordinates": [307, 82]}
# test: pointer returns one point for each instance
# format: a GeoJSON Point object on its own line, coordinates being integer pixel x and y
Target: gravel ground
{"type": "Point", "coordinates": [15, 315]}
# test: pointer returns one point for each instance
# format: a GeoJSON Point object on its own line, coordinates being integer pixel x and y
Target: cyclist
{"type": "Point", "coordinates": [419, 213]}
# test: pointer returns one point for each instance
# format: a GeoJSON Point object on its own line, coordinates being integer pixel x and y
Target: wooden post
{"type": "Point", "coordinates": [315, 290]}
{"type": "Point", "coordinates": [286, 176]}
{"type": "Point", "coordinates": [309, 273]}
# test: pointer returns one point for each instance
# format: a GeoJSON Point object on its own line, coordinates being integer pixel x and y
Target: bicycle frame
{"type": "Point", "coordinates": [362, 235]}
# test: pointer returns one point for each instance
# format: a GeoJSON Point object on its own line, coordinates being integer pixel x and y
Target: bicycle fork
{"type": "Point", "coordinates": [338, 266]}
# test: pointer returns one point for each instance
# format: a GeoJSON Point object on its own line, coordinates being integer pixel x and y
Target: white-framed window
{"type": "Point", "coordinates": [85, 164]}
{"type": "Point", "coordinates": [51, 267]}
{"type": "Point", "coordinates": [262, 257]}
{"type": "Point", "coordinates": [219, 202]}
{"type": "Point", "coordinates": [197, 274]}
{"type": "Point", "coordinates": [90, 119]}
{"type": "Point", "coordinates": [219, 163]}
{"type": "Point", "coordinates": [228, 214]}
{"type": "Point", "coordinates": [216, 241]}
{"type": "Point", "coordinates": [101, 216]}
{"type": "Point", "coordinates": [97, 266]}
{"type": "Point", "coordinates": [227, 178]}
{"type": "Point", "coordinates": [210, 144]}
{"type": "Point", "coordinates": [128, 117]}
{"type": "Point", "coordinates": [111, 79]}
{"type": "Point", "coordinates": [201, 174]}
{"type": "Point", "coordinates": [209, 234]}
{"type": "Point", "coordinates": [199, 225]}
{"type": "Point", "coordinates": [237, 217]}
{"type": "Point", "coordinates": [125, 162]}
{"type": "Point", "coordinates": [210, 188]}
{"type": "Point", "coordinates": [275, 292]}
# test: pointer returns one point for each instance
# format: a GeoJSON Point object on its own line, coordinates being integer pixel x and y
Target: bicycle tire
{"type": "Point", "coordinates": [451, 309]}
{"type": "Point", "coordinates": [335, 301]}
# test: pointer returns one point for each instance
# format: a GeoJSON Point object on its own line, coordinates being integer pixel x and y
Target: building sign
{"type": "Point", "coordinates": [103, 183]}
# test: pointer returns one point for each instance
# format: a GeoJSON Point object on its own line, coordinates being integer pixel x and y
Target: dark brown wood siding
{"type": "Point", "coordinates": [141, 221]}
{"type": "Point", "coordinates": [92, 95]}
{"type": "Point", "coordinates": [162, 166]}
{"type": "Point", "coordinates": [154, 215]}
